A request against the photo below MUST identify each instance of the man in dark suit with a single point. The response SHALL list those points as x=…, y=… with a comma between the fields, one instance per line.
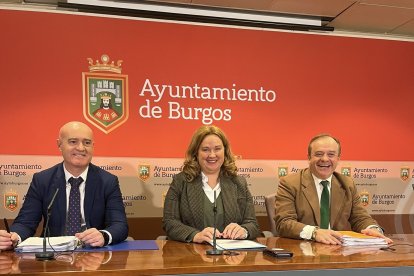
x=299, y=199
x=101, y=218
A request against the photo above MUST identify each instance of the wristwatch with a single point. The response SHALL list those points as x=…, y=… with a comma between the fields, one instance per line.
x=106, y=237
x=379, y=229
x=314, y=233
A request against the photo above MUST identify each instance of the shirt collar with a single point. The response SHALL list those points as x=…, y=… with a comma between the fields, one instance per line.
x=318, y=180
x=69, y=175
x=206, y=187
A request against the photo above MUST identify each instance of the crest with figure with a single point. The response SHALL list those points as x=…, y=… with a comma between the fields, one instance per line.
x=404, y=174
x=282, y=171
x=364, y=197
x=346, y=171
x=11, y=200
x=105, y=94
x=144, y=172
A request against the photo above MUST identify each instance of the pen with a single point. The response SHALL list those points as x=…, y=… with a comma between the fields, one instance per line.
x=83, y=225
x=6, y=224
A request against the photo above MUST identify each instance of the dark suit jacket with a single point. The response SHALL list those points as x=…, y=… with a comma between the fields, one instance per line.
x=183, y=207
x=297, y=205
x=103, y=206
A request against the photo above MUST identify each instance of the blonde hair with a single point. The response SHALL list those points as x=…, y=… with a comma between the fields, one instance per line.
x=191, y=167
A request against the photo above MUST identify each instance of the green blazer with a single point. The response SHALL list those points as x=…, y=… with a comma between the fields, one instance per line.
x=183, y=207
x=297, y=205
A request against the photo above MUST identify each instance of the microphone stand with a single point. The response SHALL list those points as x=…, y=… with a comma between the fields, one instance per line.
x=214, y=251
x=44, y=256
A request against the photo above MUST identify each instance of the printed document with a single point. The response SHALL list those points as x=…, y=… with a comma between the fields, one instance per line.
x=351, y=238
x=35, y=244
x=226, y=244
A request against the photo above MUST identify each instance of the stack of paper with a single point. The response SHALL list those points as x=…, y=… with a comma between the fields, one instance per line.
x=35, y=244
x=226, y=244
x=351, y=238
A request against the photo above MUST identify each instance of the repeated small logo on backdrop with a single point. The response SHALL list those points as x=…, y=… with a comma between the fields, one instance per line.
x=282, y=171
x=364, y=196
x=405, y=173
x=144, y=172
x=346, y=171
x=11, y=200
x=105, y=94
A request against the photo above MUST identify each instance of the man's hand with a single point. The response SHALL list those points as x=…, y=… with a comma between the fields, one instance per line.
x=375, y=233
x=8, y=240
x=327, y=236
x=206, y=235
x=90, y=261
x=9, y=263
x=91, y=237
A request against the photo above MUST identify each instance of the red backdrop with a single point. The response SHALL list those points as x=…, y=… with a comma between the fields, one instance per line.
x=358, y=89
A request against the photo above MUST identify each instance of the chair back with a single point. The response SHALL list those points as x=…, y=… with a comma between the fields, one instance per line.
x=270, y=201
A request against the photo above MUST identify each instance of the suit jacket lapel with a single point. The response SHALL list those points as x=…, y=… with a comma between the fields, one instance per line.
x=196, y=201
x=228, y=194
x=337, y=196
x=310, y=193
x=59, y=181
x=92, y=180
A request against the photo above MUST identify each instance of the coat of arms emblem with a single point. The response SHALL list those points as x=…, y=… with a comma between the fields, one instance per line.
x=346, y=171
x=282, y=171
x=105, y=94
x=404, y=174
x=364, y=196
x=144, y=172
x=10, y=201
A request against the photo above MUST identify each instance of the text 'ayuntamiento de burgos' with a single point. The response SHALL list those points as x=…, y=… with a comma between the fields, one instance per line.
x=209, y=114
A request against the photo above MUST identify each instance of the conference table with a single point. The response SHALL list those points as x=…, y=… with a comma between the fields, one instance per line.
x=186, y=258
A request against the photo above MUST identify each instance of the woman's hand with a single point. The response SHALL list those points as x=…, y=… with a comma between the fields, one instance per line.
x=234, y=231
x=206, y=235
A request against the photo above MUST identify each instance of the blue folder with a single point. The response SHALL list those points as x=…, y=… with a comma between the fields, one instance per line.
x=123, y=246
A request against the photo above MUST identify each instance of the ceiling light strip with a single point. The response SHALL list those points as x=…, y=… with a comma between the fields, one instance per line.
x=277, y=18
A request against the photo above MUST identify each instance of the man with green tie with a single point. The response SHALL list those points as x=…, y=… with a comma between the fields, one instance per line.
x=316, y=202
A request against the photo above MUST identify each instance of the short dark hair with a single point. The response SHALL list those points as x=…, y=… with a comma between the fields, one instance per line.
x=322, y=135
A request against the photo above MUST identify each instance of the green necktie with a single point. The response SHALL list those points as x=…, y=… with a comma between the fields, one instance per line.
x=325, y=211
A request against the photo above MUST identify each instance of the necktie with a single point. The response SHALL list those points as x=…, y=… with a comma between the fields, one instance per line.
x=73, y=224
x=325, y=210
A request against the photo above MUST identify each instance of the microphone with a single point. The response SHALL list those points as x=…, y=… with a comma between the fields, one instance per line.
x=214, y=251
x=43, y=256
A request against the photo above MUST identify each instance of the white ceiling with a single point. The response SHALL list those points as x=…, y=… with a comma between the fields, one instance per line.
x=392, y=18
x=379, y=17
